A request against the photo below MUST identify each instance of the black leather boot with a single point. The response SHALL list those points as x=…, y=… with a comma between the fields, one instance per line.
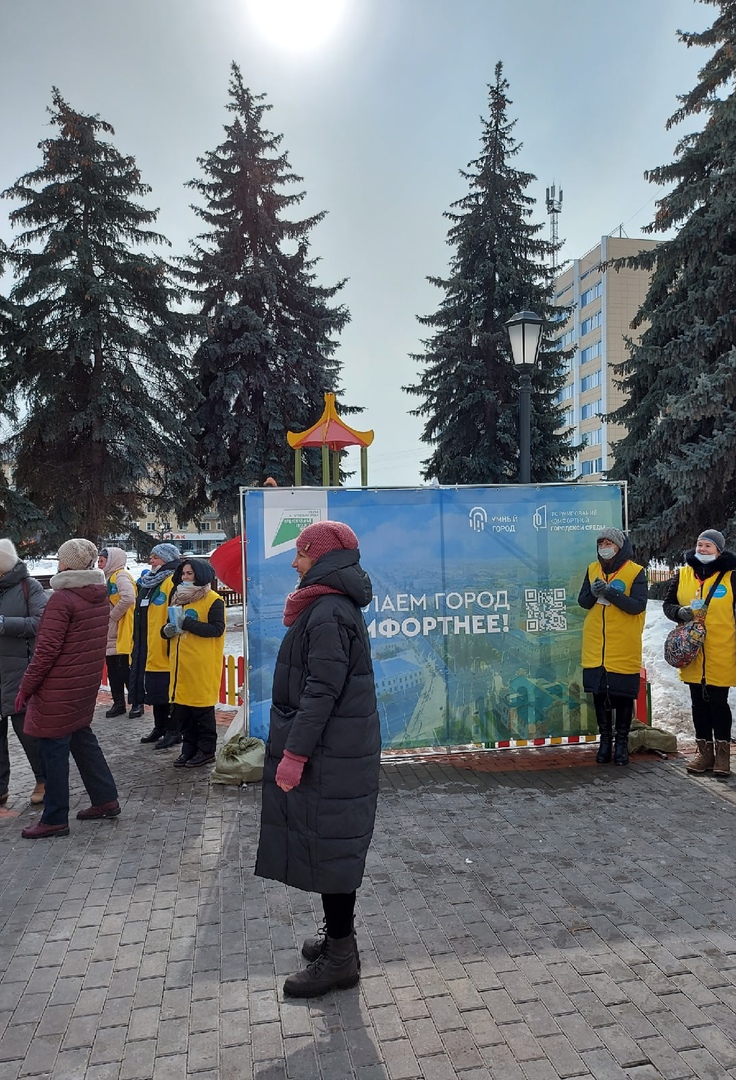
x=167, y=740
x=604, y=748
x=605, y=730
x=621, y=750
x=623, y=726
x=153, y=736
x=336, y=968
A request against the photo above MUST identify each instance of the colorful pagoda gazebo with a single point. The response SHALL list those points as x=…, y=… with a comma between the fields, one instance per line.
x=333, y=435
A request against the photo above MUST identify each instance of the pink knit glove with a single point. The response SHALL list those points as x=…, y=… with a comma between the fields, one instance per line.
x=289, y=772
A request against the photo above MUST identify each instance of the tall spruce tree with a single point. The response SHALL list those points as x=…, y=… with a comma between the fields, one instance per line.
x=266, y=355
x=679, y=453
x=500, y=265
x=89, y=349
x=19, y=519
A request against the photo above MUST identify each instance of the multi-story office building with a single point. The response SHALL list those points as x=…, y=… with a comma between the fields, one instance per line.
x=196, y=538
x=604, y=305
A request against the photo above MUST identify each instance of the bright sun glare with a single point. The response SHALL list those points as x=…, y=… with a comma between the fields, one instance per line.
x=297, y=25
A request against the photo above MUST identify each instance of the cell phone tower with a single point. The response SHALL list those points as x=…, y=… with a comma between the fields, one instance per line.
x=554, y=209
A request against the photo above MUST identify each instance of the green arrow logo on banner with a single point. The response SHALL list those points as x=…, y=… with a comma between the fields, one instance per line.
x=290, y=527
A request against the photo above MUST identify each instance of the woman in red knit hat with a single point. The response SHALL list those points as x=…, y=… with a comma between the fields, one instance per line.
x=320, y=780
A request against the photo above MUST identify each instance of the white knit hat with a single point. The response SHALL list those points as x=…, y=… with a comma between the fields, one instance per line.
x=8, y=556
x=78, y=554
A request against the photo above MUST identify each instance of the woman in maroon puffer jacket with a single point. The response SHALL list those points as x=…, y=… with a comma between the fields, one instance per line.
x=59, y=690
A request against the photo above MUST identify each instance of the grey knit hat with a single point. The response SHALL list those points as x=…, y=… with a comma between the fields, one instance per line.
x=78, y=554
x=167, y=552
x=715, y=537
x=8, y=556
x=615, y=535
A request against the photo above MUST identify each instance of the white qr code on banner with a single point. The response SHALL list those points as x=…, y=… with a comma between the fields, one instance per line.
x=545, y=609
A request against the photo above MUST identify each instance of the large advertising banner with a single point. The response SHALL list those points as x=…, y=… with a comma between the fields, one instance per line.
x=474, y=623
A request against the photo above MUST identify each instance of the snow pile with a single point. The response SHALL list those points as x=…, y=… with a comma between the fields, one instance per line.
x=670, y=696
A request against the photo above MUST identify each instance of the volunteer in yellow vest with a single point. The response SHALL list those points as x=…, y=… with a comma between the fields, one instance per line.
x=614, y=593
x=149, y=665
x=196, y=634
x=121, y=594
x=713, y=671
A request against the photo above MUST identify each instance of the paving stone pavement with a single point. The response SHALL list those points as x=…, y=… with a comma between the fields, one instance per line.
x=531, y=918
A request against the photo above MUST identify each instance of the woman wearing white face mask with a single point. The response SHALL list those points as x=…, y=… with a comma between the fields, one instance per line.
x=708, y=566
x=196, y=633
x=614, y=593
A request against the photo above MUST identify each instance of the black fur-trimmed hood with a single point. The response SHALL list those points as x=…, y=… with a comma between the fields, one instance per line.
x=725, y=561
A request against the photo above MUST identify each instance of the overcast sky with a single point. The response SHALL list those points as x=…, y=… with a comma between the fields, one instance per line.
x=377, y=117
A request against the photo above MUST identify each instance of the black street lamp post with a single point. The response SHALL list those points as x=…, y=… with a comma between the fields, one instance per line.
x=525, y=332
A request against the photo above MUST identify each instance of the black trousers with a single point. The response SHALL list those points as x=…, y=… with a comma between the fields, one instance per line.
x=197, y=726
x=118, y=670
x=163, y=720
x=30, y=747
x=93, y=768
x=711, y=712
x=605, y=707
x=339, y=909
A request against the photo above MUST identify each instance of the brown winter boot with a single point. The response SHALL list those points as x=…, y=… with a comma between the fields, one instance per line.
x=703, y=760
x=336, y=968
x=722, y=763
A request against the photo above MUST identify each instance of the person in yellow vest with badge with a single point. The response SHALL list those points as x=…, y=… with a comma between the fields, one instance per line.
x=706, y=581
x=614, y=593
x=196, y=633
x=121, y=594
x=149, y=664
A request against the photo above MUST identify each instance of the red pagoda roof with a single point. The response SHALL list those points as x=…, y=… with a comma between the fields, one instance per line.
x=329, y=431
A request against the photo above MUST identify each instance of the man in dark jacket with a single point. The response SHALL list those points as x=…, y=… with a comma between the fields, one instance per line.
x=22, y=601
x=320, y=780
x=59, y=690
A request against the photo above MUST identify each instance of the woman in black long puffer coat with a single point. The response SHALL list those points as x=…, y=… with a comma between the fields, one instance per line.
x=320, y=781
x=22, y=600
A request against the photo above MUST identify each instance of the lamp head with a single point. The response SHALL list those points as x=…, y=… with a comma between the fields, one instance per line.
x=525, y=334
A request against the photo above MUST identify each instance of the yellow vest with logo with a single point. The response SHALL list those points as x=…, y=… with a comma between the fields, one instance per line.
x=157, y=647
x=717, y=658
x=611, y=638
x=196, y=662
x=124, y=640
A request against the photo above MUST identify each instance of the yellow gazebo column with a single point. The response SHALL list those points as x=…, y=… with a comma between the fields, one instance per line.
x=332, y=435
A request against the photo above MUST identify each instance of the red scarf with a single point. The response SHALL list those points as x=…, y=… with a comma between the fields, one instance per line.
x=300, y=599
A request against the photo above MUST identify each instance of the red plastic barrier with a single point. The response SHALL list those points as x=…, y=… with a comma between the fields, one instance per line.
x=223, y=698
x=642, y=707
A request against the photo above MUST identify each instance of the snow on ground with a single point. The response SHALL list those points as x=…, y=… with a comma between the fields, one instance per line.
x=234, y=631
x=670, y=696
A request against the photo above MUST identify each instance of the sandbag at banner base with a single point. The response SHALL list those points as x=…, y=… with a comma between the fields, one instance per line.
x=643, y=737
x=239, y=761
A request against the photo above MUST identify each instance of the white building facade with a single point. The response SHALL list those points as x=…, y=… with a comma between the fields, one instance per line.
x=604, y=303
